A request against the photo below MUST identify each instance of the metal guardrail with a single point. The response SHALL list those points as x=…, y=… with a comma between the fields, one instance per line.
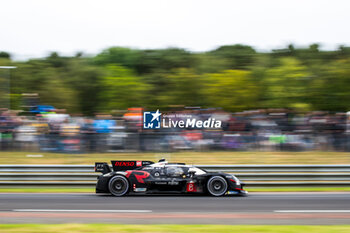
x=252, y=175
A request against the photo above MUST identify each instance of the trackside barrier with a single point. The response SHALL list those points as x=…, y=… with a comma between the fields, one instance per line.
x=252, y=175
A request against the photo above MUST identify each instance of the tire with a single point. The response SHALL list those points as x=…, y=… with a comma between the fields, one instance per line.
x=118, y=186
x=217, y=186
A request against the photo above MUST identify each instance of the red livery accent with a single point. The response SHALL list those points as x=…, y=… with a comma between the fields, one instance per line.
x=124, y=164
x=191, y=187
x=128, y=173
x=139, y=163
x=139, y=175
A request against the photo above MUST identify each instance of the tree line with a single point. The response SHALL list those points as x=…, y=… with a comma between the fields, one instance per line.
x=231, y=77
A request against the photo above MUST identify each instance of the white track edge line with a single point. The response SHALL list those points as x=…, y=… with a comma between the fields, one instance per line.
x=92, y=211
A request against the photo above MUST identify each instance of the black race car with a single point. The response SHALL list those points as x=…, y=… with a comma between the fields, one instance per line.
x=163, y=177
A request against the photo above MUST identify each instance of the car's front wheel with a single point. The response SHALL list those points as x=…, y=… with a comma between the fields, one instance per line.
x=118, y=185
x=217, y=186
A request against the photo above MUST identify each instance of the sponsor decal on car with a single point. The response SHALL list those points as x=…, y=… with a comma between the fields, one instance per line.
x=126, y=164
x=160, y=182
x=173, y=182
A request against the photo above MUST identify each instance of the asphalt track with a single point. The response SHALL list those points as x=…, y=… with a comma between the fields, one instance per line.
x=256, y=208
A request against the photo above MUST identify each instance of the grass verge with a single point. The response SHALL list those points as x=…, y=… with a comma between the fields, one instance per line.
x=92, y=228
x=189, y=157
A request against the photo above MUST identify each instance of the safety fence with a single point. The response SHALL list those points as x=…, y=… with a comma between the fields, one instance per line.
x=252, y=175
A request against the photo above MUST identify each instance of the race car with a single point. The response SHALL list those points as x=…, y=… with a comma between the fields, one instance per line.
x=130, y=177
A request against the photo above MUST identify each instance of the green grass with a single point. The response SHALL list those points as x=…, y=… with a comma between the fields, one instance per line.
x=94, y=228
x=92, y=189
x=189, y=157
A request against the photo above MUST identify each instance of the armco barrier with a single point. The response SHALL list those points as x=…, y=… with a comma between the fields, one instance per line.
x=252, y=175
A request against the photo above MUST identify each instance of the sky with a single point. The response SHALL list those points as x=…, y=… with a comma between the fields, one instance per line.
x=34, y=28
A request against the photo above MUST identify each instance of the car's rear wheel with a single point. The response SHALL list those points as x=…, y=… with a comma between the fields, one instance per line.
x=217, y=186
x=118, y=186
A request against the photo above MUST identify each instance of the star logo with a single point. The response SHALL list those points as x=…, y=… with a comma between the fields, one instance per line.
x=156, y=115
x=151, y=120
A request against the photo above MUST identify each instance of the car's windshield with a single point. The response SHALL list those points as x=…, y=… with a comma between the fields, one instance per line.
x=197, y=171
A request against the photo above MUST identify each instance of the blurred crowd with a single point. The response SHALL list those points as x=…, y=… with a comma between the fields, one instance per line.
x=267, y=129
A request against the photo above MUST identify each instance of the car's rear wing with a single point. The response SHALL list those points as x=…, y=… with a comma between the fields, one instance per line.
x=120, y=165
x=102, y=167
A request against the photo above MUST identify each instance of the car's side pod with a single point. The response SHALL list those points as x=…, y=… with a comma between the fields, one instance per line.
x=102, y=167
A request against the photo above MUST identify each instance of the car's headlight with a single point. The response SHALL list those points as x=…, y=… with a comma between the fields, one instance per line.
x=234, y=179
